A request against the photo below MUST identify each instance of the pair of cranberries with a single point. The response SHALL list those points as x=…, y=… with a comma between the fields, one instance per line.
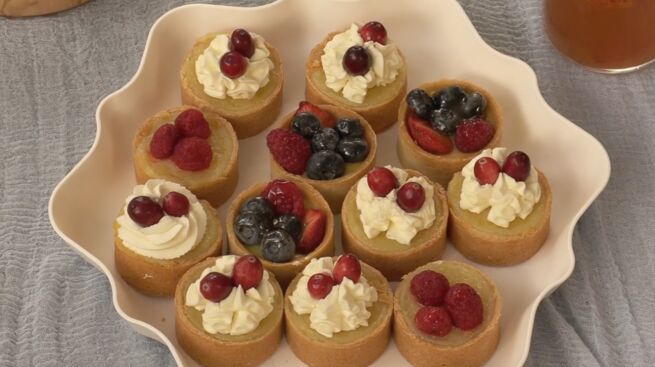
x=347, y=266
x=234, y=63
x=516, y=165
x=247, y=273
x=410, y=196
x=145, y=211
x=356, y=60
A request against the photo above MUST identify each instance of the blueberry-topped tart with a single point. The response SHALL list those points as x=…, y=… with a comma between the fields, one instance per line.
x=237, y=75
x=361, y=69
x=328, y=147
x=284, y=223
x=442, y=125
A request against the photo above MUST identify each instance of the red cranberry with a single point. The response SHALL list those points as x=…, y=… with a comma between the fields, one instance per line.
x=347, y=266
x=411, y=197
x=319, y=285
x=381, y=181
x=248, y=272
x=433, y=321
x=233, y=64
x=356, y=60
x=429, y=288
x=486, y=170
x=215, y=287
x=175, y=204
x=464, y=306
x=373, y=31
x=144, y=211
x=241, y=42
x=517, y=165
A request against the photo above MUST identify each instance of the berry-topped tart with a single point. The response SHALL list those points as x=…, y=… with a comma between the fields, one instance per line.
x=395, y=220
x=284, y=223
x=337, y=312
x=499, y=208
x=447, y=314
x=195, y=149
x=236, y=75
x=442, y=125
x=326, y=146
x=161, y=231
x=360, y=69
x=228, y=312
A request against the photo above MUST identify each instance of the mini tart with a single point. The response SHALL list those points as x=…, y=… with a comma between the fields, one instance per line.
x=380, y=107
x=471, y=348
x=486, y=243
x=284, y=272
x=218, y=350
x=440, y=168
x=391, y=258
x=247, y=116
x=334, y=191
x=156, y=277
x=359, y=347
x=215, y=183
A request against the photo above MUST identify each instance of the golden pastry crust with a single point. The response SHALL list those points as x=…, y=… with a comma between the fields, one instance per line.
x=214, y=184
x=441, y=168
x=318, y=351
x=423, y=351
x=519, y=242
x=334, y=191
x=248, y=117
x=158, y=278
x=224, y=350
x=284, y=272
x=427, y=246
x=381, y=115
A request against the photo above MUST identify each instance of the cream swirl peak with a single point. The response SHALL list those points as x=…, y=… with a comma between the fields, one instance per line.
x=218, y=85
x=171, y=237
x=385, y=63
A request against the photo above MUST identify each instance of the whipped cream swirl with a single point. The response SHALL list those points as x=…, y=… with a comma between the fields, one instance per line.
x=343, y=309
x=506, y=198
x=239, y=313
x=382, y=214
x=217, y=85
x=385, y=61
x=173, y=236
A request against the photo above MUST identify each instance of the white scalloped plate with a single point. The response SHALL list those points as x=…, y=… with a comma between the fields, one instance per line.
x=438, y=40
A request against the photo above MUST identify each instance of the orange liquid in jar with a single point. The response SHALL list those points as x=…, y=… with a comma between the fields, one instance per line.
x=603, y=34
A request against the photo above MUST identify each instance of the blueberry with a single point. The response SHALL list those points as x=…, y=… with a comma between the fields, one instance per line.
x=305, y=124
x=449, y=97
x=257, y=205
x=289, y=224
x=278, y=246
x=325, y=139
x=445, y=121
x=474, y=105
x=325, y=165
x=420, y=102
x=250, y=228
x=350, y=127
x=353, y=149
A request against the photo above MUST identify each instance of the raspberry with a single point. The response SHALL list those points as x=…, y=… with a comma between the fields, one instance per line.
x=433, y=321
x=473, y=135
x=285, y=198
x=429, y=288
x=163, y=141
x=289, y=149
x=192, y=123
x=192, y=154
x=464, y=305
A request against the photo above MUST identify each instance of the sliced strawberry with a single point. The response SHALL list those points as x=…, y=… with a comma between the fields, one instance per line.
x=427, y=138
x=326, y=118
x=313, y=232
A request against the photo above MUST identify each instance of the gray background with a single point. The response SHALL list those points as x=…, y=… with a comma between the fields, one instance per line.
x=55, y=309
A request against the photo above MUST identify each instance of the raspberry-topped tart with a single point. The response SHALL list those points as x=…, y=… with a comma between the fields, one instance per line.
x=192, y=148
x=326, y=146
x=228, y=312
x=337, y=312
x=161, y=231
x=442, y=125
x=446, y=313
x=395, y=220
x=284, y=223
x=236, y=75
x=360, y=69
x=499, y=208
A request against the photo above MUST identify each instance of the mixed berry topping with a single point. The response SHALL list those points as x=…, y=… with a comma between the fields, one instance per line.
x=175, y=204
x=516, y=165
x=319, y=285
x=347, y=126
x=314, y=229
x=241, y=42
x=381, y=181
x=473, y=135
x=373, y=31
x=247, y=273
x=347, y=266
x=324, y=117
x=325, y=165
x=285, y=198
x=289, y=149
x=278, y=246
x=426, y=137
x=146, y=211
x=410, y=197
x=289, y=224
x=356, y=61
x=215, y=286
